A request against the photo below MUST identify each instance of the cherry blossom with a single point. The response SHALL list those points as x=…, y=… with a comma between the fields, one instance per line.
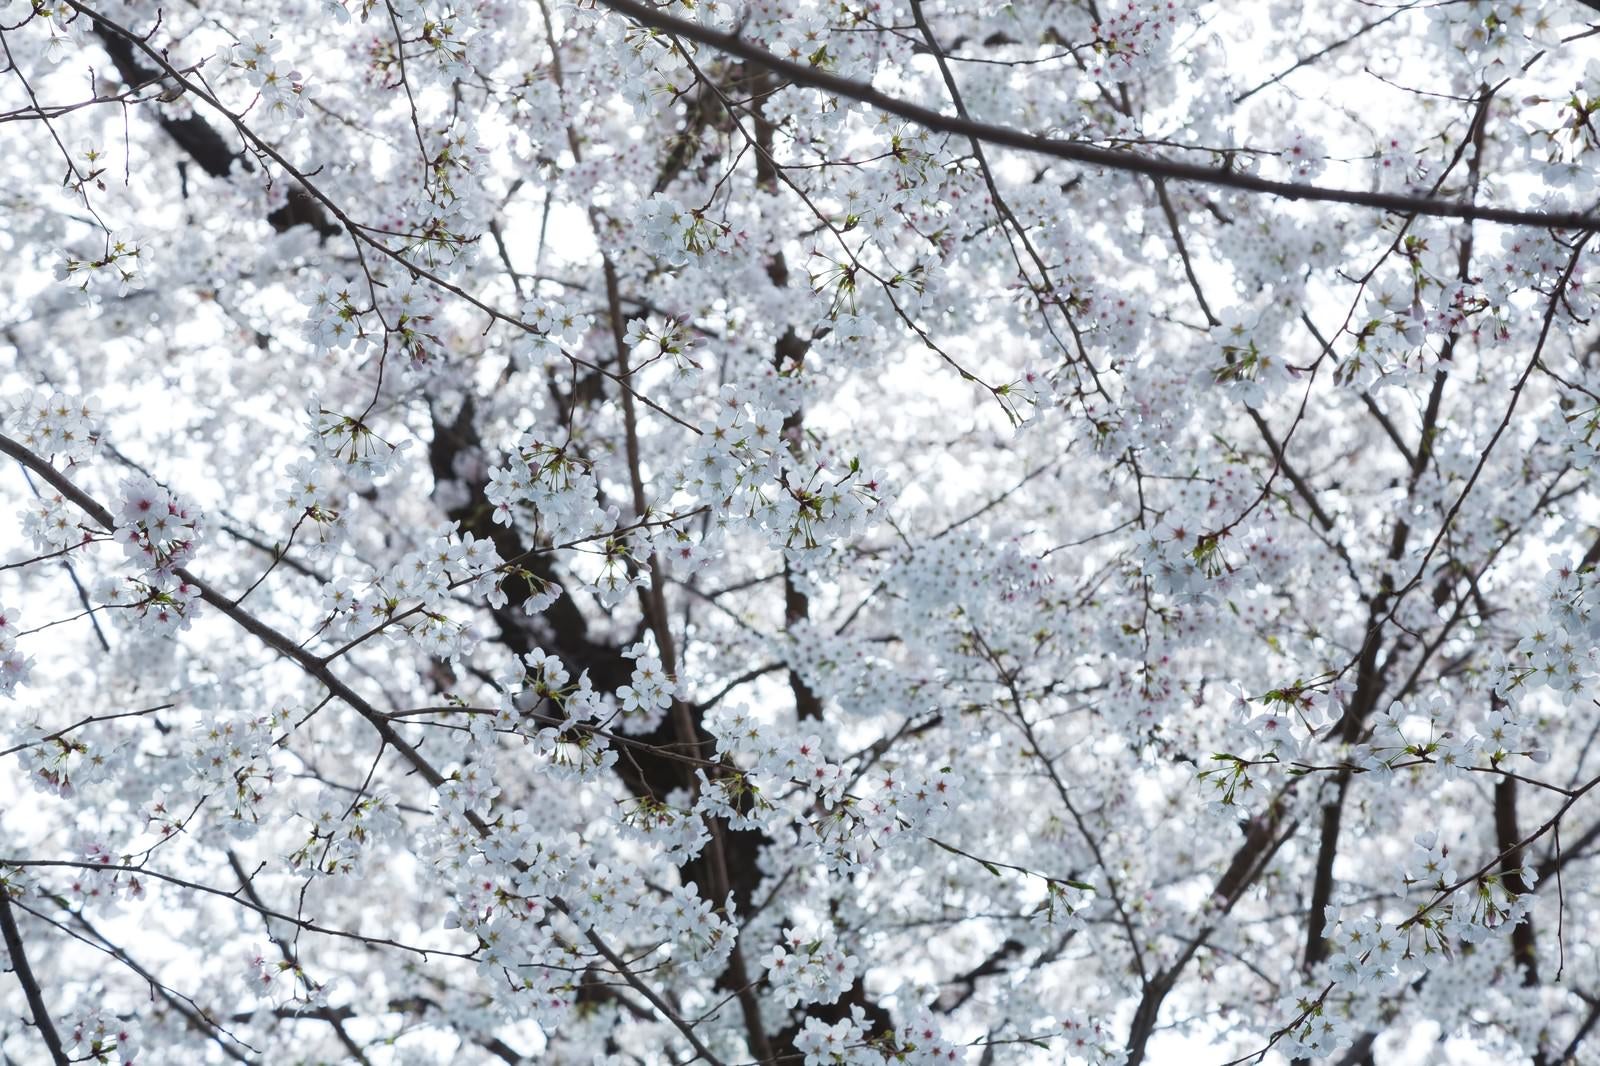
x=756, y=531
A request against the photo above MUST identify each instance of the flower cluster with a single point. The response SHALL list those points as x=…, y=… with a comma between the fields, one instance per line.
x=1397, y=165
x=121, y=264
x=548, y=482
x=677, y=831
x=844, y=827
x=97, y=1035
x=230, y=755
x=677, y=234
x=1366, y=952
x=921, y=1042
x=1248, y=373
x=1316, y=1028
x=312, y=498
x=504, y=889
x=657, y=338
x=414, y=594
x=344, y=833
x=917, y=1041
x=55, y=425
x=1305, y=157
x=1561, y=650
x=51, y=524
x=264, y=969
x=566, y=713
x=1134, y=38
x=892, y=804
x=554, y=325
x=90, y=883
x=282, y=90
x=353, y=445
x=332, y=320
x=1191, y=554
x=742, y=466
x=761, y=756
x=844, y=1043
x=1430, y=865
x=14, y=666
x=156, y=529
x=809, y=969
x=645, y=700
x=58, y=763
x=1579, y=432
x=1491, y=37
x=1531, y=261
x=158, y=532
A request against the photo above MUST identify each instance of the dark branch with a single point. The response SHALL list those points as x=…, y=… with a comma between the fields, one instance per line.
x=203, y=143
x=30, y=986
x=1092, y=155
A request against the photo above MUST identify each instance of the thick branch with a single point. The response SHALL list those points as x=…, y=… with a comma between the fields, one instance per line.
x=30, y=986
x=1507, y=837
x=1088, y=154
